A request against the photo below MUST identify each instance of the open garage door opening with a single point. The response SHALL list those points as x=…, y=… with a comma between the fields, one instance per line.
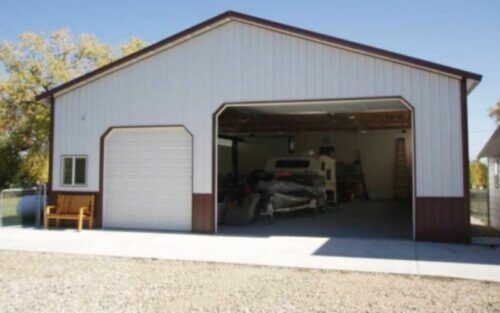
x=316, y=168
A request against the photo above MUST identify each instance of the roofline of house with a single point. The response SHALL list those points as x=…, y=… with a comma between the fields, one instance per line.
x=486, y=150
x=476, y=78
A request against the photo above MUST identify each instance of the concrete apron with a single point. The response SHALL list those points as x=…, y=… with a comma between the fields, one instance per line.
x=350, y=254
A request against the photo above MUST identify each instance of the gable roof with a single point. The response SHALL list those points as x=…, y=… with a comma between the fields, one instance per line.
x=492, y=147
x=472, y=78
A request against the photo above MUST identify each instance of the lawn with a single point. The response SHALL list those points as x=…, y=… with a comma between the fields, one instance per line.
x=41, y=282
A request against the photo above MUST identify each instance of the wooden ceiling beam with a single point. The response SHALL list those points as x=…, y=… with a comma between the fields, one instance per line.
x=235, y=121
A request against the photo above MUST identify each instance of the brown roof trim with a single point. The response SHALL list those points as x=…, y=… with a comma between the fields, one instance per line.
x=268, y=23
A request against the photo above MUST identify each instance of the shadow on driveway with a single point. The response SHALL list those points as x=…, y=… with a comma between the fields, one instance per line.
x=409, y=250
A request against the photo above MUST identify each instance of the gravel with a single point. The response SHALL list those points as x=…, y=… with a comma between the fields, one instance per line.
x=42, y=282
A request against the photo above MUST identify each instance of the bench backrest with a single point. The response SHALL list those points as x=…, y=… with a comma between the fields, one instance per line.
x=71, y=204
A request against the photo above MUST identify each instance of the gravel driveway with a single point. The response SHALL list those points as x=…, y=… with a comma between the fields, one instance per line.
x=40, y=282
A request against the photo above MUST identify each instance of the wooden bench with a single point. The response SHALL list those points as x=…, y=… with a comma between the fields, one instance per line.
x=71, y=207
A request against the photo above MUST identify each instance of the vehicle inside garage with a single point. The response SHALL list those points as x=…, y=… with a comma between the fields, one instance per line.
x=316, y=168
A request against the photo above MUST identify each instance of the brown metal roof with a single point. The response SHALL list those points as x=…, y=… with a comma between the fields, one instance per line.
x=492, y=147
x=267, y=23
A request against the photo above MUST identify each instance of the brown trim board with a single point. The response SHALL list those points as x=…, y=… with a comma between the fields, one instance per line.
x=203, y=217
x=442, y=219
x=465, y=158
x=270, y=24
x=51, y=143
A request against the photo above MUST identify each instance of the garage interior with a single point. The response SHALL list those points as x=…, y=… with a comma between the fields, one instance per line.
x=272, y=179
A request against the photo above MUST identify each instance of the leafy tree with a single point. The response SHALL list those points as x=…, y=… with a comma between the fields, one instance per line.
x=9, y=162
x=133, y=45
x=478, y=174
x=495, y=112
x=35, y=63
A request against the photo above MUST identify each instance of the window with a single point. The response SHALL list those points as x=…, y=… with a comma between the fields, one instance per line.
x=74, y=171
x=496, y=174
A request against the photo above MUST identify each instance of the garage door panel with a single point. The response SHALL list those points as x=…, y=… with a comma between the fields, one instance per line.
x=148, y=150
x=157, y=186
x=144, y=193
x=148, y=179
x=153, y=173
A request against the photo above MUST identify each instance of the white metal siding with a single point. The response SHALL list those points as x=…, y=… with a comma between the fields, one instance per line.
x=147, y=179
x=494, y=195
x=239, y=62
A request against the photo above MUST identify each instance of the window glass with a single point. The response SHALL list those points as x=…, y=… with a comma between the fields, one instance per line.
x=67, y=171
x=74, y=170
x=80, y=169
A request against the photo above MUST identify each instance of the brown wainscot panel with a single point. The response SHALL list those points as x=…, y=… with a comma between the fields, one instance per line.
x=52, y=198
x=203, y=218
x=442, y=219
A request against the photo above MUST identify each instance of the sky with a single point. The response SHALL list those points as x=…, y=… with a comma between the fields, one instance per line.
x=462, y=34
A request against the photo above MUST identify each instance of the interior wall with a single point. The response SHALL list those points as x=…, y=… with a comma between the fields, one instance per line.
x=224, y=160
x=377, y=149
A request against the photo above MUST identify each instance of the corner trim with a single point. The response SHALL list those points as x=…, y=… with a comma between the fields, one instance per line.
x=465, y=154
x=51, y=143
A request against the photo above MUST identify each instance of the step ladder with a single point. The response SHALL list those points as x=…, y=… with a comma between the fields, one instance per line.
x=401, y=172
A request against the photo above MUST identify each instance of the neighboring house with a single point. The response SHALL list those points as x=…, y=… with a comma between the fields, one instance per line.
x=492, y=151
x=144, y=133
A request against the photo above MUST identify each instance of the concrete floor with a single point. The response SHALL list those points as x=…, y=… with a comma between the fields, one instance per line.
x=355, y=237
x=357, y=219
x=350, y=254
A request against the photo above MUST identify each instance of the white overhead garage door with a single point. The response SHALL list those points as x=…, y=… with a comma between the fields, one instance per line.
x=148, y=178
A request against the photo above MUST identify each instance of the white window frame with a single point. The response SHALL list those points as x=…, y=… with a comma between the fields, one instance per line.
x=73, y=170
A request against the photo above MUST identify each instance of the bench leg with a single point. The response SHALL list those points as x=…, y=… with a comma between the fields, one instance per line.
x=91, y=223
x=45, y=221
x=57, y=222
x=80, y=222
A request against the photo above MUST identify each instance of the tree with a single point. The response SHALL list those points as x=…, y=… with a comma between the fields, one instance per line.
x=36, y=63
x=495, y=112
x=478, y=174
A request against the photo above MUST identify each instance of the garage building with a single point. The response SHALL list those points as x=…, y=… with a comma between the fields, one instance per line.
x=152, y=134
